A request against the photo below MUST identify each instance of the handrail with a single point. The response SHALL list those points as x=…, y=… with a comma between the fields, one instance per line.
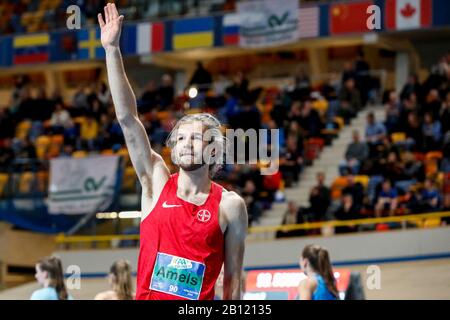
x=62, y=239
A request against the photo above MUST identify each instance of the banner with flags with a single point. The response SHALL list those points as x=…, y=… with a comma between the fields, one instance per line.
x=349, y=17
x=79, y=186
x=150, y=37
x=408, y=14
x=89, y=44
x=230, y=29
x=309, y=22
x=193, y=33
x=31, y=48
x=268, y=23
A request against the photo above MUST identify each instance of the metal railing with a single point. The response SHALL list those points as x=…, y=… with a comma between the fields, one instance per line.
x=420, y=220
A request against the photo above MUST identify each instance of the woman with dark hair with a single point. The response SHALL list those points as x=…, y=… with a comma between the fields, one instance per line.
x=320, y=282
x=49, y=274
x=120, y=282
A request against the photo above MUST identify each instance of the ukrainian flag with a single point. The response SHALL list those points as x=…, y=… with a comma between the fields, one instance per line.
x=89, y=44
x=193, y=33
x=31, y=48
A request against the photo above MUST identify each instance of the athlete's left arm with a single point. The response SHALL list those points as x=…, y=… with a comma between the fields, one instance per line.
x=235, y=212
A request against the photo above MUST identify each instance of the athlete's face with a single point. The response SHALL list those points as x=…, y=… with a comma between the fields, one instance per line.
x=40, y=275
x=190, y=145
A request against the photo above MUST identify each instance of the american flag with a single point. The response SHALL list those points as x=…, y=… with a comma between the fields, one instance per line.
x=309, y=22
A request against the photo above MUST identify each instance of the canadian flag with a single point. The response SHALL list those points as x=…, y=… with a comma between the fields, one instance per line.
x=408, y=14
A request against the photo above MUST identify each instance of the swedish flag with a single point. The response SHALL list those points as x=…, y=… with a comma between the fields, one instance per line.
x=89, y=44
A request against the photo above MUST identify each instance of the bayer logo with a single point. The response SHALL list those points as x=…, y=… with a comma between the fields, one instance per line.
x=203, y=215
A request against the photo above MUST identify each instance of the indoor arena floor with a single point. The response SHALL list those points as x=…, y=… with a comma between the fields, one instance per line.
x=427, y=279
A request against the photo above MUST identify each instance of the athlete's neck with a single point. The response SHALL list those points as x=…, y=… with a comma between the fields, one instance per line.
x=194, y=182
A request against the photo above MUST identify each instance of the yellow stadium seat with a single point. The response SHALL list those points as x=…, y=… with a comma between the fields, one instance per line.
x=57, y=139
x=336, y=188
x=107, y=152
x=26, y=180
x=434, y=155
x=321, y=106
x=398, y=137
x=364, y=180
x=432, y=222
x=42, y=180
x=79, y=154
x=22, y=129
x=3, y=183
x=42, y=145
x=340, y=122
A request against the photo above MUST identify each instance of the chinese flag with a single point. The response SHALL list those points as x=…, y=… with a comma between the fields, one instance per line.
x=349, y=17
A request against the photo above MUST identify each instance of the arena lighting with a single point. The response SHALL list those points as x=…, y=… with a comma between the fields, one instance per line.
x=192, y=92
x=120, y=215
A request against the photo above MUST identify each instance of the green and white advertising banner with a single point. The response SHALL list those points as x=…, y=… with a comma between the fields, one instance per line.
x=266, y=23
x=83, y=185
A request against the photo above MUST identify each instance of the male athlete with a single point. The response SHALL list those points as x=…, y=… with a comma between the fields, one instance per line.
x=190, y=226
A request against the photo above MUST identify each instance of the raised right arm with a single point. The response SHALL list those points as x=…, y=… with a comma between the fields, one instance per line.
x=150, y=167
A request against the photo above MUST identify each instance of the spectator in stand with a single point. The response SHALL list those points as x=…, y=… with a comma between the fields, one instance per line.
x=393, y=167
x=375, y=132
x=319, y=199
x=239, y=88
x=250, y=195
x=149, y=99
x=28, y=150
x=348, y=72
x=249, y=116
x=429, y=198
x=350, y=100
x=411, y=87
x=60, y=120
x=348, y=210
x=387, y=199
x=6, y=155
x=291, y=161
x=433, y=103
x=445, y=114
x=88, y=133
x=414, y=132
x=409, y=104
x=357, y=152
x=166, y=91
x=291, y=217
x=104, y=95
x=201, y=78
x=309, y=120
x=80, y=102
x=356, y=189
x=362, y=77
x=393, y=111
x=7, y=124
x=431, y=133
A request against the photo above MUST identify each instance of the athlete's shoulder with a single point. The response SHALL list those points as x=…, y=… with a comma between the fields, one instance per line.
x=106, y=295
x=233, y=206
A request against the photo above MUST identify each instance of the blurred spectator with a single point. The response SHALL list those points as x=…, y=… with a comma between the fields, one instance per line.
x=411, y=87
x=6, y=124
x=166, y=91
x=409, y=104
x=433, y=103
x=356, y=153
x=348, y=72
x=429, y=198
x=309, y=120
x=319, y=198
x=414, y=132
x=149, y=99
x=201, y=77
x=350, y=100
x=362, y=77
x=431, y=132
x=445, y=114
x=393, y=110
x=27, y=150
x=291, y=217
x=347, y=211
x=355, y=189
x=291, y=161
x=88, y=133
x=375, y=131
x=80, y=101
x=104, y=95
x=6, y=155
x=250, y=195
x=60, y=119
x=387, y=199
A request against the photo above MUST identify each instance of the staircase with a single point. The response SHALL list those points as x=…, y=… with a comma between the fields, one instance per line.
x=328, y=162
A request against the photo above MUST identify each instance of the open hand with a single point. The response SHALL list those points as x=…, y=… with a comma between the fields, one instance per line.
x=110, y=31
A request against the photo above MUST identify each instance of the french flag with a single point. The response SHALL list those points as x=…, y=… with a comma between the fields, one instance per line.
x=408, y=14
x=230, y=29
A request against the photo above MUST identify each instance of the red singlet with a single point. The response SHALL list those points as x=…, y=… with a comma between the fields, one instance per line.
x=181, y=247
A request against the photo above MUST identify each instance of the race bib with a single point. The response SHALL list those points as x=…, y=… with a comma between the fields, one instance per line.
x=177, y=276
